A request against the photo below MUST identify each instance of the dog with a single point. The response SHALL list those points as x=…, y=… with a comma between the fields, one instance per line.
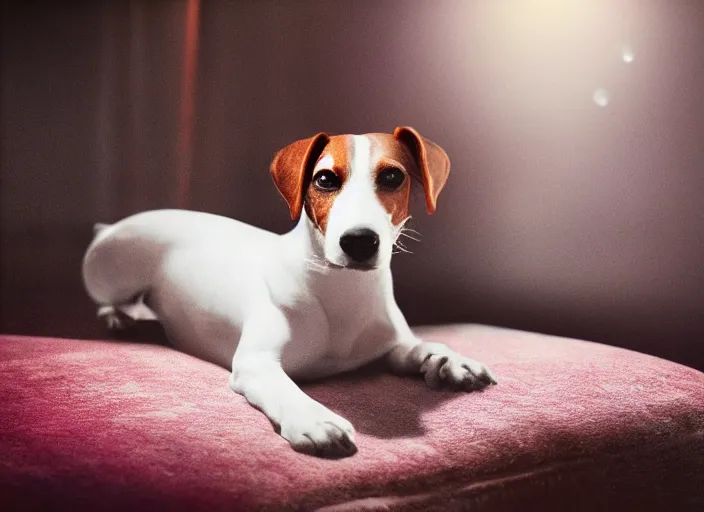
x=307, y=304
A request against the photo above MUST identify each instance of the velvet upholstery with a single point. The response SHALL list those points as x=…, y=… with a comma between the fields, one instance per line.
x=572, y=425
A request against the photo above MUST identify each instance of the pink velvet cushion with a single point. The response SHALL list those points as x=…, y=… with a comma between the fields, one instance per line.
x=90, y=425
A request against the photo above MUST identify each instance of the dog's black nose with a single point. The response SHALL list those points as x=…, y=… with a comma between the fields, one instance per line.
x=360, y=244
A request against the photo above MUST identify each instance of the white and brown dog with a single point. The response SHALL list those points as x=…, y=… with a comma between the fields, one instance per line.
x=310, y=303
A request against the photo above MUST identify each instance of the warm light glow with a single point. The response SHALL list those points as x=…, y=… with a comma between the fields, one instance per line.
x=542, y=18
x=627, y=54
x=601, y=97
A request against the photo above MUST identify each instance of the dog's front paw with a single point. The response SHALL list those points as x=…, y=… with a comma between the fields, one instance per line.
x=456, y=372
x=319, y=431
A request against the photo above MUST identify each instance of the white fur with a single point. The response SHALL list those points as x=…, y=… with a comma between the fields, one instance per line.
x=327, y=162
x=269, y=307
x=357, y=206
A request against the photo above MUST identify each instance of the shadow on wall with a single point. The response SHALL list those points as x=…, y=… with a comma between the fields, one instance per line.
x=574, y=206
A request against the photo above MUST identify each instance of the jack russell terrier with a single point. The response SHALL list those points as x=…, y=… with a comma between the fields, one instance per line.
x=313, y=302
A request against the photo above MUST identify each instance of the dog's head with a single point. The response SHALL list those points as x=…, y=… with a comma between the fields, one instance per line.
x=355, y=189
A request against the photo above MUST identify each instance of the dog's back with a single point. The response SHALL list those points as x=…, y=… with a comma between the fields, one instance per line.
x=121, y=262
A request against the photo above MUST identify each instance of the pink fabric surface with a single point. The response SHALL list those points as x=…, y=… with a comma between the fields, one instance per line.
x=95, y=425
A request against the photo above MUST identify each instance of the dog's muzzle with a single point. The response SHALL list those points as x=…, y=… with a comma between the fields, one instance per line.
x=361, y=244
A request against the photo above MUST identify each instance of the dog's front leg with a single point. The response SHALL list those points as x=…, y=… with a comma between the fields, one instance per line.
x=307, y=425
x=439, y=365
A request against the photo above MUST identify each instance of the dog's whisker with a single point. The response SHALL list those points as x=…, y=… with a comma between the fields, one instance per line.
x=402, y=230
x=401, y=245
x=398, y=228
x=402, y=248
x=402, y=224
x=402, y=233
x=409, y=230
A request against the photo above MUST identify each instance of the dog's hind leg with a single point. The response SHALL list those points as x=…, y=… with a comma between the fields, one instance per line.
x=124, y=316
x=117, y=273
x=114, y=319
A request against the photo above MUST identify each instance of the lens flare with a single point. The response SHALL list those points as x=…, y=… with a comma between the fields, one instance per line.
x=601, y=97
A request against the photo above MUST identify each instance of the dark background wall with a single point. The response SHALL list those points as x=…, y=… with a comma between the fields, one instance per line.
x=561, y=215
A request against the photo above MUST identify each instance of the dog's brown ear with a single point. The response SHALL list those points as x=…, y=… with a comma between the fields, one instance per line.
x=292, y=166
x=431, y=159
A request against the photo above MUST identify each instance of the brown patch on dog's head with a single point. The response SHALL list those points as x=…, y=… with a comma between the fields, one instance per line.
x=291, y=169
x=296, y=167
x=336, y=158
x=406, y=151
x=389, y=156
x=432, y=163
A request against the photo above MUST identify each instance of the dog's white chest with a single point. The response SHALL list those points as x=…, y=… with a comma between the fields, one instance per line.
x=315, y=352
x=337, y=331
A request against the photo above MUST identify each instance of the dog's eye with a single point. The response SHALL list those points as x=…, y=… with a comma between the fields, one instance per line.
x=327, y=181
x=390, y=178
